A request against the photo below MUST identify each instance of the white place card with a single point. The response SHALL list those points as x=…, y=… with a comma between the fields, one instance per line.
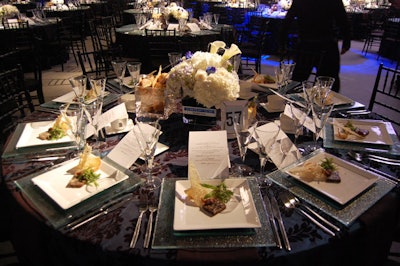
x=193, y=27
x=208, y=150
x=231, y=111
x=106, y=118
x=127, y=151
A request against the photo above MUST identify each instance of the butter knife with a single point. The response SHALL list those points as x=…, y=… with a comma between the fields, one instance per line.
x=277, y=215
x=272, y=221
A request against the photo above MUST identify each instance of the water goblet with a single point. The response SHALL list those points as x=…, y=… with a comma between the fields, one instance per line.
x=287, y=71
x=79, y=87
x=134, y=71
x=147, y=131
x=98, y=84
x=119, y=67
x=265, y=134
x=71, y=113
x=320, y=114
x=174, y=58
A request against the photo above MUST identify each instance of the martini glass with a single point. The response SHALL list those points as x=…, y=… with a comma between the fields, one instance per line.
x=320, y=114
x=147, y=131
x=78, y=85
x=98, y=84
x=119, y=67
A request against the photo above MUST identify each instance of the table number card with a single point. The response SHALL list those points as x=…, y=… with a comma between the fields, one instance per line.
x=230, y=111
x=208, y=150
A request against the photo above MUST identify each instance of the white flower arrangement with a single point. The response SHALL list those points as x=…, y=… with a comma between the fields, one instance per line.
x=285, y=4
x=207, y=77
x=8, y=11
x=175, y=11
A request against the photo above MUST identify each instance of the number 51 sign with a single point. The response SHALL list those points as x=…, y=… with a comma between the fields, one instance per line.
x=233, y=111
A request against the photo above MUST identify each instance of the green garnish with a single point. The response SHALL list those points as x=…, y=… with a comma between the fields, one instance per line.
x=350, y=125
x=88, y=176
x=220, y=192
x=328, y=164
x=56, y=133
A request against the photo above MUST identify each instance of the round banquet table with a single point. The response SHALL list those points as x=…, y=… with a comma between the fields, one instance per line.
x=136, y=45
x=105, y=240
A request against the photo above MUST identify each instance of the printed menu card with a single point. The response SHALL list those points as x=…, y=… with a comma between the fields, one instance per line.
x=208, y=150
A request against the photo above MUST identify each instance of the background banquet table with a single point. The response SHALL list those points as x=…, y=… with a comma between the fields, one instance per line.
x=135, y=44
x=105, y=240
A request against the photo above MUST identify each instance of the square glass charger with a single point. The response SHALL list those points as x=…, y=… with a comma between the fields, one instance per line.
x=166, y=238
x=345, y=214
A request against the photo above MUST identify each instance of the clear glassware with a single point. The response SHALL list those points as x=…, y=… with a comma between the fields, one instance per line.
x=320, y=114
x=134, y=71
x=98, y=84
x=299, y=112
x=244, y=130
x=216, y=18
x=265, y=134
x=174, y=58
x=72, y=114
x=182, y=25
x=119, y=67
x=79, y=87
x=324, y=86
x=147, y=131
x=287, y=68
x=93, y=112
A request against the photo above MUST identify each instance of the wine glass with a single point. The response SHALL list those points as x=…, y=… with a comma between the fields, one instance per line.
x=299, y=112
x=324, y=85
x=265, y=134
x=287, y=71
x=79, y=87
x=320, y=114
x=244, y=129
x=93, y=112
x=216, y=18
x=119, y=67
x=134, y=71
x=147, y=131
x=98, y=84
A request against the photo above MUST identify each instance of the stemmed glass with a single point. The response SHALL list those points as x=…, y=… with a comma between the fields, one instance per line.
x=119, y=67
x=299, y=112
x=287, y=71
x=79, y=87
x=320, y=113
x=324, y=85
x=174, y=58
x=216, y=18
x=147, y=131
x=265, y=134
x=134, y=71
x=98, y=84
x=244, y=129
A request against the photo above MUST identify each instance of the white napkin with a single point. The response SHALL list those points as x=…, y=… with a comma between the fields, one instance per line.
x=205, y=26
x=193, y=27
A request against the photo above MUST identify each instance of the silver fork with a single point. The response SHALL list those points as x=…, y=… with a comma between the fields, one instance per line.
x=142, y=209
x=152, y=209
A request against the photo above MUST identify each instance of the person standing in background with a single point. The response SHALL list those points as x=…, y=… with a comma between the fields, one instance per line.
x=317, y=24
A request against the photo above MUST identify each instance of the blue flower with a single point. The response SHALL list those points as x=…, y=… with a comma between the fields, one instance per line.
x=188, y=55
x=211, y=70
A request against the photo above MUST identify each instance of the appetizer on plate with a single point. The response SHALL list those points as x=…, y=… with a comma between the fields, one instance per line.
x=59, y=129
x=211, y=199
x=85, y=172
x=350, y=129
x=325, y=171
x=263, y=79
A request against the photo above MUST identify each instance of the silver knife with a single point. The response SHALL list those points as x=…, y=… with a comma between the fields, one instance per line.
x=383, y=161
x=277, y=215
x=272, y=221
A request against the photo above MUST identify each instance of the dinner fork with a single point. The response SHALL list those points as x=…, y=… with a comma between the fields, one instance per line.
x=142, y=209
x=152, y=209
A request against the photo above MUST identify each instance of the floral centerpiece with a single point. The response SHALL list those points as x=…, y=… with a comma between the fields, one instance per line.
x=207, y=77
x=175, y=11
x=8, y=11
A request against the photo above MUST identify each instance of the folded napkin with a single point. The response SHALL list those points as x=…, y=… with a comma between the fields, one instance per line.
x=205, y=26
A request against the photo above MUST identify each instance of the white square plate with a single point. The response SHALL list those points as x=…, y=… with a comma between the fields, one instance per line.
x=354, y=179
x=70, y=97
x=240, y=212
x=378, y=133
x=54, y=183
x=30, y=135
